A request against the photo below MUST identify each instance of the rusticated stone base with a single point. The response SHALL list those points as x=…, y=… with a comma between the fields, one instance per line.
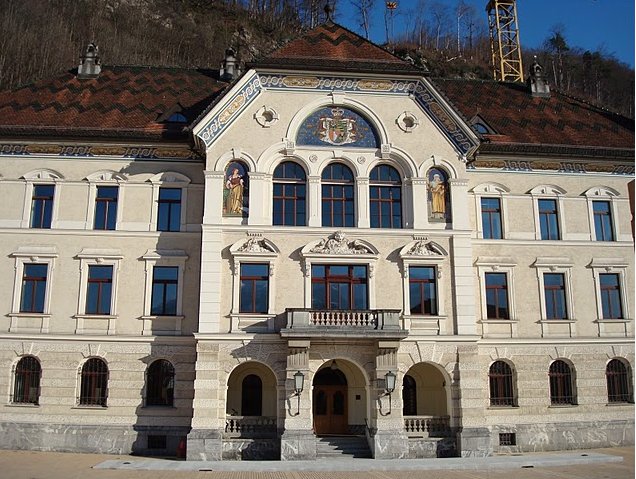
x=204, y=445
x=389, y=445
x=68, y=438
x=251, y=449
x=297, y=446
x=475, y=442
x=565, y=436
x=430, y=448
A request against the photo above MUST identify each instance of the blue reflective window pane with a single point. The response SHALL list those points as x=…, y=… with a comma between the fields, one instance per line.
x=360, y=296
x=42, y=206
x=166, y=273
x=422, y=272
x=318, y=296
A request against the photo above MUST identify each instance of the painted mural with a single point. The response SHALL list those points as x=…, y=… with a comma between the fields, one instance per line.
x=337, y=126
x=438, y=196
x=235, y=188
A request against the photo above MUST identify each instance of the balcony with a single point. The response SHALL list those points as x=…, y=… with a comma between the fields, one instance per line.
x=379, y=323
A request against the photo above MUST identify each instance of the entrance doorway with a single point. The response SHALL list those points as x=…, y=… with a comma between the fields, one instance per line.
x=330, y=402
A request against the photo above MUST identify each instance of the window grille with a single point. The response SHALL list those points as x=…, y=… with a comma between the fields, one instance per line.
x=157, y=442
x=617, y=376
x=561, y=389
x=501, y=384
x=160, y=384
x=507, y=439
x=26, y=388
x=94, y=383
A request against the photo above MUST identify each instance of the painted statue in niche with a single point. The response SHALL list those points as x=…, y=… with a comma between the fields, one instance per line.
x=438, y=195
x=235, y=190
x=337, y=126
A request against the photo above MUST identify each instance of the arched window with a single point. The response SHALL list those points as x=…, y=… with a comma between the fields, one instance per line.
x=252, y=396
x=385, y=193
x=27, y=381
x=617, y=375
x=94, y=383
x=409, y=396
x=160, y=384
x=501, y=384
x=561, y=386
x=337, y=196
x=289, y=195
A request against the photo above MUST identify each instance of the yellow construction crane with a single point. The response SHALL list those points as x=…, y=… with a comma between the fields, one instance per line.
x=504, y=40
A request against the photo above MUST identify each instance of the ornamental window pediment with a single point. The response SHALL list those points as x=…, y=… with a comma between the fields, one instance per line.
x=339, y=245
x=491, y=188
x=547, y=190
x=422, y=249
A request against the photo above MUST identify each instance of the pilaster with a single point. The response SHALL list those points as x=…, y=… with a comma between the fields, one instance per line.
x=362, y=201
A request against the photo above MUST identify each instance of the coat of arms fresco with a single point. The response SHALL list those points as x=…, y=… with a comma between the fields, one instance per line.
x=337, y=126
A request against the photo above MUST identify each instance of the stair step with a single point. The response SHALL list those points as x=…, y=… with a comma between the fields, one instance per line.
x=334, y=447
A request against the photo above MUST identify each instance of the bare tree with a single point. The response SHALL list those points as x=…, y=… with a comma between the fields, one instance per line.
x=364, y=9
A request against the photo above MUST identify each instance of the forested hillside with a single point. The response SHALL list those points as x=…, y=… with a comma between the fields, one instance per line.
x=42, y=38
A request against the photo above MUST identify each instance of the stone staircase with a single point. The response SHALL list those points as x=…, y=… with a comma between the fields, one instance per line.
x=334, y=447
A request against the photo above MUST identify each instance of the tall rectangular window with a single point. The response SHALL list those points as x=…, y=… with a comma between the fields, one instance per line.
x=106, y=207
x=497, y=296
x=603, y=225
x=339, y=287
x=549, y=220
x=491, y=218
x=423, y=290
x=99, y=289
x=254, y=293
x=33, y=288
x=554, y=286
x=611, y=296
x=42, y=206
x=165, y=282
x=169, y=209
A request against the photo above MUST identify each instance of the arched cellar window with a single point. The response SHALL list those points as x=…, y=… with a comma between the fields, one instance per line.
x=160, y=385
x=94, y=383
x=289, y=195
x=252, y=396
x=501, y=384
x=617, y=376
x=385, y=197
x=561, y=388
x=337, y=196
x=26, y=388
x=409, y=396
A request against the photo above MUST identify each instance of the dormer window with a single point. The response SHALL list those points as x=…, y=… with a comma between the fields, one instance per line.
x=481, y=126
x=177, y=118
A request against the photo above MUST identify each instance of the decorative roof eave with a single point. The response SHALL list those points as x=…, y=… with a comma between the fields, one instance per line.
x=567, y=151
x=115, y=134
x=328, y=65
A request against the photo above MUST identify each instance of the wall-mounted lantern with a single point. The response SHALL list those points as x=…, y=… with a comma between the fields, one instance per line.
x=299, y=385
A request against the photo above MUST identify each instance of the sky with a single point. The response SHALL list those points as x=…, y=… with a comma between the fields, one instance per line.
x=604, y=25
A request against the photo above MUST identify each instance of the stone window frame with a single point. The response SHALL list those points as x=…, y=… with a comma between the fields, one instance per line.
x=32, y=255
x=253, y=250
x=169, y=179
x=369, y=260
x=40, y=177
x=491, y=190
x=497, y=264
x=562, y=265
x=436, y=258
x=104, y=178
x=97, y=257
x=548, y=192
x=616, y=266
x=175, y=258
x=610, y=195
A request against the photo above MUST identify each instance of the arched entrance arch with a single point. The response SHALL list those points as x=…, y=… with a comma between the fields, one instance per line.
x=339, y=399
x=251, y=391
x=425, y=392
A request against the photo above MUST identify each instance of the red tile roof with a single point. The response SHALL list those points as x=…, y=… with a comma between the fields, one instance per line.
x=332, y=47
x=129, y=102
x=518, y=118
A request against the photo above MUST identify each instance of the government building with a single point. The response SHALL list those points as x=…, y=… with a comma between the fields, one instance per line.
x=328, y=251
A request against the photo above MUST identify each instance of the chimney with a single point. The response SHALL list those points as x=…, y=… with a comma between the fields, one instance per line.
x=91, y=64
x=230, y=68
x=537, y=82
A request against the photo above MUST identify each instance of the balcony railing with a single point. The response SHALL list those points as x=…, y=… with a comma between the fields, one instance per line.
x=343, y=320
x=250, y=426
x=427, y=426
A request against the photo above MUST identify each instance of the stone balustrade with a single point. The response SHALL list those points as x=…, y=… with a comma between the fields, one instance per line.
x=427, y=426
x=250, y=426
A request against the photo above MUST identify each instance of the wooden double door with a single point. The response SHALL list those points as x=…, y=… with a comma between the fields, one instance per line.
x=330, y=403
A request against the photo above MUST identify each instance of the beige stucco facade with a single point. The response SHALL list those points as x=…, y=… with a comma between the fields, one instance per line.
x=214, y=346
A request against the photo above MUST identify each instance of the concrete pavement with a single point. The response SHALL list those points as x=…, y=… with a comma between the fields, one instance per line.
x=614, y=463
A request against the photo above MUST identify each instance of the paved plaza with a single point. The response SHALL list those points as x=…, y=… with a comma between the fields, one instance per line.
x=615, y=463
